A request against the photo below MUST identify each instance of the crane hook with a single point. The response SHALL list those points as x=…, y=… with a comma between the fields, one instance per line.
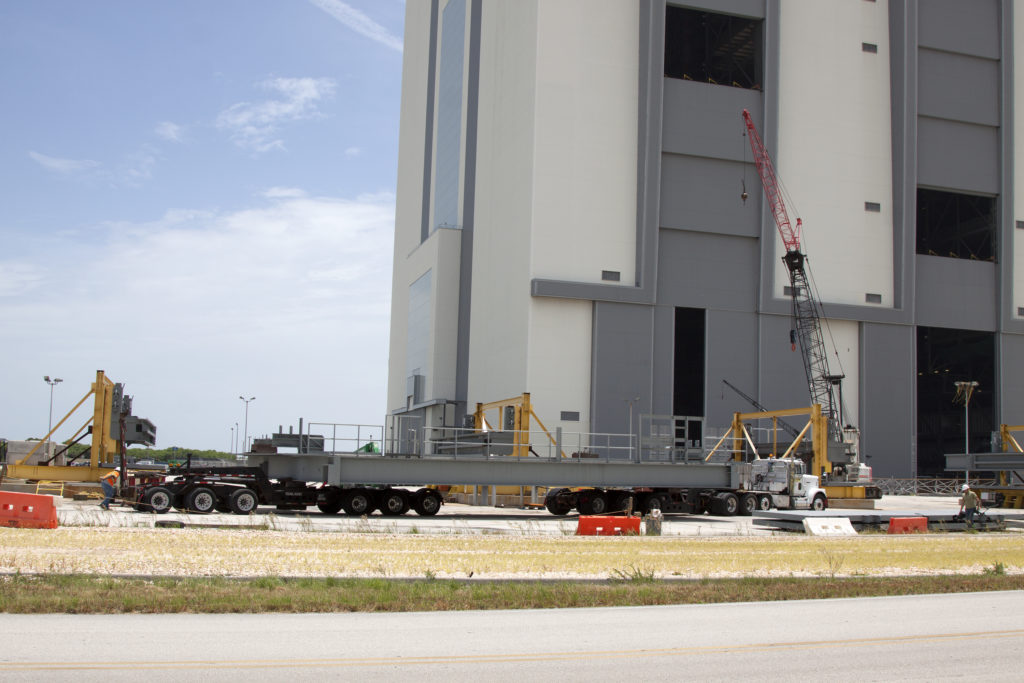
x=744, y=195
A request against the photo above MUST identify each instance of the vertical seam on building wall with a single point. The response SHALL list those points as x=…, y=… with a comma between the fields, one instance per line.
x=649, y=122
x=428, y=136
x=468, y=204
x=1007, y=217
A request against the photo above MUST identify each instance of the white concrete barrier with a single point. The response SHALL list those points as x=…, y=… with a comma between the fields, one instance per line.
x=829, y=526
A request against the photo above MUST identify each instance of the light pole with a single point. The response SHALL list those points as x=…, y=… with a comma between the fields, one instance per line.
x=238, y=432
x=964, y=390
x=52, y=382
x=231, y=444
x=245, y=434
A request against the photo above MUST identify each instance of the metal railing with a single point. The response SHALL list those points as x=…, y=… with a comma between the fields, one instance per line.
x=925, y=486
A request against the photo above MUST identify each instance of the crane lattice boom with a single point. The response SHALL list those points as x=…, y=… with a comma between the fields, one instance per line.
x=805, y=308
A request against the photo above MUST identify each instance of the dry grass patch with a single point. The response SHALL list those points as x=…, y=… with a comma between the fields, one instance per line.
x=248, y=553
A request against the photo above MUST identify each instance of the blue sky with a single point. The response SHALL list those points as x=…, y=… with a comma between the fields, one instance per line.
x=199, y=200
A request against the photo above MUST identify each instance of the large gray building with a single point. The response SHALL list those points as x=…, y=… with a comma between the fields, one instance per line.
x=570, y=220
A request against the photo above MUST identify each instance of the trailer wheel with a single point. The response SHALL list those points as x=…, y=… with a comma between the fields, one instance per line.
x=331, y=503
x=200, y=500
x=157, y=499
x=623, y=501
x=819, y=503
x=748, y=503
x=426, y=502
x=764, y=503
x=243, y=501
x=592, y=503
x=554, y=503
x=395, y=502
x=653, y=502
x=357, y=502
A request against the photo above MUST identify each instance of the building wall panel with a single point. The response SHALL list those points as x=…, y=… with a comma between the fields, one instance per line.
x=944, y=79
x=701, y=270
x=954, y=155
x=703, y=195
x=970, y=28
x=888, y=422
x=956, y=293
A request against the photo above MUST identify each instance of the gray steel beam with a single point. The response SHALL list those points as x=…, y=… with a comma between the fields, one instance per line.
x=984, y=462
x=493, y=471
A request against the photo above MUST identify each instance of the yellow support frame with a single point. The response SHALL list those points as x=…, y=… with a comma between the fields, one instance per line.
x=520, y=422
x=103, y=444
x=816, y=422
x=1010, y=445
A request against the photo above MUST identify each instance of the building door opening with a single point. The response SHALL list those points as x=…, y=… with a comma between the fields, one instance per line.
x=688, y=368
x=945, y=356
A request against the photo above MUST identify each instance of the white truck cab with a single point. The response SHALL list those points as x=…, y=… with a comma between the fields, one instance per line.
x=786, y=480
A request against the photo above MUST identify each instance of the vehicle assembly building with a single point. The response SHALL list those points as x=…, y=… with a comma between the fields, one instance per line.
x=579, y=215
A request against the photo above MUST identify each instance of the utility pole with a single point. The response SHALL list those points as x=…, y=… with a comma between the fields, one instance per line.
x=964, y=391
x=245, y=436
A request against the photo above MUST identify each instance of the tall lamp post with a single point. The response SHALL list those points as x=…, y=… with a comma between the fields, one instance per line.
x=245, y=434
x=231, y=444
x=52, y=382
x=964, y=390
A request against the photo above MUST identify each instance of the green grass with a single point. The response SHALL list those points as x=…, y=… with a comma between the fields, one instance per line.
x=78, y=594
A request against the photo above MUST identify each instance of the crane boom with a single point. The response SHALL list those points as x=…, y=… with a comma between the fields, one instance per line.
x=807, y=334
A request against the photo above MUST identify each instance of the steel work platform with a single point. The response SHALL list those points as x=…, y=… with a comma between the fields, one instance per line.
x=794, y=519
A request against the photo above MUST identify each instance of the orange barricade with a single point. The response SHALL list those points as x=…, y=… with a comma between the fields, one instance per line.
x=595, y=525
x=908, y=525
x=27, y=510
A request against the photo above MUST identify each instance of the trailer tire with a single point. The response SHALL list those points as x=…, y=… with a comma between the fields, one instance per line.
x=748, y=503
x=653, y=502
x=764, y=502
x=554, y=503
x=201, y=500
x=394, y=502
x=623, y=501
x=157, y=499
x=243, y=501
x=358, y=502
x=592, y=502
x=819, y=503
x=331, y=503
x=427, y=503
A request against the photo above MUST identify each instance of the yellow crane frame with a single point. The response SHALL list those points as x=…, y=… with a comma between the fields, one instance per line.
x=1010, y=445
x=103, y=444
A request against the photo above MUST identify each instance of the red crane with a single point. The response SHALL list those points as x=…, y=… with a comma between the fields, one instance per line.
x=806, y=309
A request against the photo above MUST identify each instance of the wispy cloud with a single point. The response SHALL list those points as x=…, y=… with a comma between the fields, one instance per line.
x=254, y=126
x=352, y=152
x=64, y=166
x=294, y=287
x=169, y=131
x=359, y=22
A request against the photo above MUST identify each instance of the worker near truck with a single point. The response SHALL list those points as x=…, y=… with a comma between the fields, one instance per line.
x=968, y=504
x=108, y=482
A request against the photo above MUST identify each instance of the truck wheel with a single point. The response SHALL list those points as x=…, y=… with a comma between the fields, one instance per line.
x=725, y=504
x=395, y=502
x=592, y=503
x=427, y=503
x=157, y=499
x=748, y=503
x=555, y=503
x=243, y=501
x=764, y=502
x=358, y=502
x=819, y=503
x=200, y=500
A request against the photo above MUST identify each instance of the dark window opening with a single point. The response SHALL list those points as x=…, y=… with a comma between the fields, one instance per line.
x=956, y=225
x=713, y=48
x=688, y=364
x=945, y=356
x=869, y=47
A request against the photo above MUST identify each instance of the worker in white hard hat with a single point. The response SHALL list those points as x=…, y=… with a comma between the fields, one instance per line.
x=968, y=504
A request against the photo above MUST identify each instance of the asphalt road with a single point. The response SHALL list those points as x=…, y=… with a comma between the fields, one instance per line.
x=909, y=638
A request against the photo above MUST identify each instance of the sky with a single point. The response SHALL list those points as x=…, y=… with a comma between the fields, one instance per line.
x=198, y=200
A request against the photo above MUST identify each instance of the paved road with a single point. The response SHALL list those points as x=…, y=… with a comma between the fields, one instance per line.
x=906, y=638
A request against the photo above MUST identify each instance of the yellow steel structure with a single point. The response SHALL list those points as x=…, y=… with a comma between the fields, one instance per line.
x=817, y=425
x=522, y=412
x=104, y=447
